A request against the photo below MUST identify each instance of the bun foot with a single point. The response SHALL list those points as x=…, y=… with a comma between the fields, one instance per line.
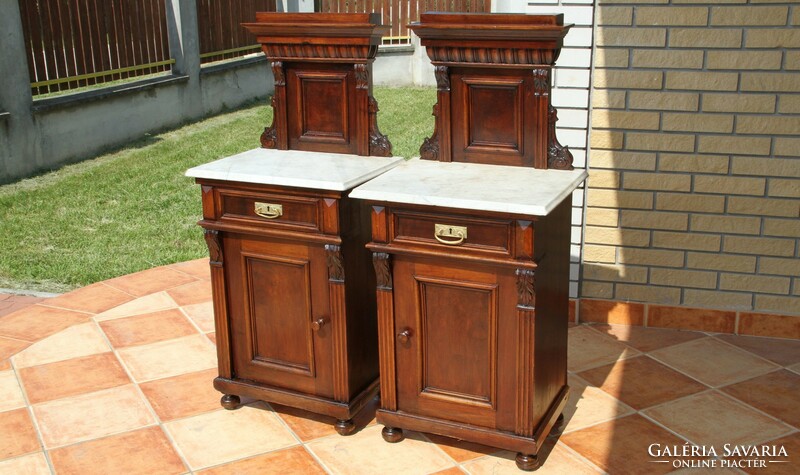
x=345, y=427
x=392, y=434
x=558, y=427
x=230, y=401
x=528, y=463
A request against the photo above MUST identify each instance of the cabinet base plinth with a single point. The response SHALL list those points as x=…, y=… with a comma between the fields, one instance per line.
x=526, y=462
x=392, y=434
x=558, y=427
x=342, y=411
x=230, y=402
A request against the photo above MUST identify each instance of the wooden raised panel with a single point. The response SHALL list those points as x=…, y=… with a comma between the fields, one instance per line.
x=495, y=111
x=329, y=121
x=270, y=282
x=457, y=329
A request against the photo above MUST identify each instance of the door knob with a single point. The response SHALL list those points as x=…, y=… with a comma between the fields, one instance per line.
x=404, y=335
x=317, y=324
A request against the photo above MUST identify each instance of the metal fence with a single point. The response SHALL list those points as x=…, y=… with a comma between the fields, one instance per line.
x=221, y=35
x=399, y=13
x=75, y=43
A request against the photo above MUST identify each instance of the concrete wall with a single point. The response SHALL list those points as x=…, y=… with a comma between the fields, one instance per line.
x=40, y=135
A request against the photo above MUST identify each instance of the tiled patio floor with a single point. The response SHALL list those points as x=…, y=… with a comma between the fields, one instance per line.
x=115, y=378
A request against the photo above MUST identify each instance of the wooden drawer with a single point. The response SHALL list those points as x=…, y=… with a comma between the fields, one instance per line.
x=299, y=213
x=452, y=231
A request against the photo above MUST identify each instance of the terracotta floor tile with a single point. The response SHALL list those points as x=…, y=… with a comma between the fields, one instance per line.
x=588, y=348
x=197, y=268
x=223, y=436
x=559, y=461
x=79, y=340
x=150, y=281
x=183, y=396
x=461, y=450
x=367, y=453
x=10, y=392
x=608, y=311
x=212, y=337
x=36, y=322
x=641, y=382
x=713, y=419
x=147, y=328
x=169, y=358
x=189, y=294
x=93, y=298
x=309, y=426
x=144, y=452
x=450, y=471
x=19, y=436
x=286, y=461
x=147, y=304
x=10, y=303
x=5, y=365
x=777, y=350
x=32, y=464
x=795, y=368
x=713, y=362
x=72, y=377
x=620, y=446
x=588, y=405
x=791, y=444
x=10, y=347
x=93, y=415
x=647, y=339
x=202, y=314
x=776, y=393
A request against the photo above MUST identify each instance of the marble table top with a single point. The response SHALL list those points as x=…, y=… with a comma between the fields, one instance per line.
x=325, y=171
x=471, y=186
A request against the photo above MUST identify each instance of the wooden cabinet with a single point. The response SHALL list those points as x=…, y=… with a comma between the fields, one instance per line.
x=471, y=245
x=293, y=296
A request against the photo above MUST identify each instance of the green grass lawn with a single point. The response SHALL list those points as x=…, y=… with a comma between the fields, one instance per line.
x=133, y=209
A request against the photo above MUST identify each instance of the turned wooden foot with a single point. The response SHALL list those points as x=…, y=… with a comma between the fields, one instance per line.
x=558, y=427
x=230, y=401
x=392, y=434
x=345, y=427
x=528, y=463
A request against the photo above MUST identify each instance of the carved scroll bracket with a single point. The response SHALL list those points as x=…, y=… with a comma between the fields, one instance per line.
x=269, y=138
x=379, y=145
x=383, y=272
x=333, y=256
x=214, y=246
x=442, y=77
x=430, y=146
x=526, y=289
x=541, y=82
x=558, y=156
x=362, y=76
x=278, y=73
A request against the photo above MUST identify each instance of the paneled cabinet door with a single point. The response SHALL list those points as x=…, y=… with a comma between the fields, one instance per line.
x=279, y=313
x=455, y=345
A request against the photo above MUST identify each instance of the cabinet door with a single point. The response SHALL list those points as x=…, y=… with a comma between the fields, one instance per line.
x=277, y=290
x=455, y=343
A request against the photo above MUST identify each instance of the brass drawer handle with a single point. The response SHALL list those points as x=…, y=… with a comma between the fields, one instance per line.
x=450, y=235
x=269, y=210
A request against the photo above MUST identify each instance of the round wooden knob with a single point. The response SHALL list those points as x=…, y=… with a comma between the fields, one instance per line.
x=404, y=335
x=317, y=324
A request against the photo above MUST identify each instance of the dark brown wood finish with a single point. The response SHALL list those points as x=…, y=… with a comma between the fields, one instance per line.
x=473, y=332
x=494, y=75
x=293, y=298
x=322, y=65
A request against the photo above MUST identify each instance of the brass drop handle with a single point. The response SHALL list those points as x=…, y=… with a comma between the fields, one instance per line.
x=268, y=210
x=450, y=235
x=317, y=324
x=404, y=335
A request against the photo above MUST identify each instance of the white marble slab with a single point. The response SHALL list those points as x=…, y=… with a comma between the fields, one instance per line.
x=324, y=171
x=504, y=189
